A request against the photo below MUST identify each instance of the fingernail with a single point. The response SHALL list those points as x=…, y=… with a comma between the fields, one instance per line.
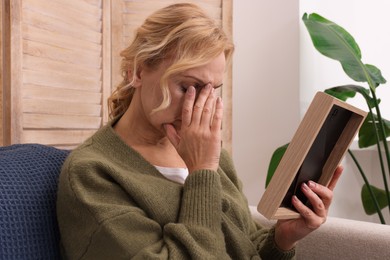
x=304, y=186
x=191, y=89
x=208, y=86
x=312, y=184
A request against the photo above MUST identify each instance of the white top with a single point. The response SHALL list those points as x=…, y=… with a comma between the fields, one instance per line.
x=178, y=175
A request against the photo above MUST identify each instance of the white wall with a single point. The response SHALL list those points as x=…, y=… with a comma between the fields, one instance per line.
x=367, y=21
x=265, y=86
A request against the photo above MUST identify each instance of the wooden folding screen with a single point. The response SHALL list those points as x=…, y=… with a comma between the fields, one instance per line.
x=60, y=60
x=54, y=76
x=1, y=72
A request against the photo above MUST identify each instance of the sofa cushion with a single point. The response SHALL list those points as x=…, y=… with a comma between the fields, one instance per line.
x=28, y=187
x=340, y=238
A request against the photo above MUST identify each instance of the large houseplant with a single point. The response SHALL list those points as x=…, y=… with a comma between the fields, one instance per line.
x=336, y=43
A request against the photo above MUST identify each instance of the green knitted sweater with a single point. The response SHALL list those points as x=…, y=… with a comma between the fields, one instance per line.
x=113, y=204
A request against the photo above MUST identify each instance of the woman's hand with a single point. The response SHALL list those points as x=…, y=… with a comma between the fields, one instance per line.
x=288, y=232
x=199, y=139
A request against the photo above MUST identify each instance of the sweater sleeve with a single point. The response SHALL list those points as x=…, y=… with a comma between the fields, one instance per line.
x=262, y=237
x=127, y=231
x=198, y=228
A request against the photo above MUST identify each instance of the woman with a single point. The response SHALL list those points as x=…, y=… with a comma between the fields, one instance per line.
x=154, y=183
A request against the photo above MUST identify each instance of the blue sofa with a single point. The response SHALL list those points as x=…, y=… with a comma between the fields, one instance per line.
x=28, y=187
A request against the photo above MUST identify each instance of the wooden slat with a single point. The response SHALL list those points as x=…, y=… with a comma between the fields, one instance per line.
x=2, y=24
x=58, y=54
x=59, y=40
x=227, y=90
x=152, y=5
x=56, y=137
x=199, y=2
x=145, y=7
x=127, y=40
x=97, y=3
x=213, y=8
x=63, y=12
x=134, y=20
x=61, y=122
x=6, y=73
x=116, y=41
x=81, y=6
x=205, y=3
x=58, y=94
x=68, y=27
x=129, y=30
x=106, y=58
x=16, y=56
x=43, y=64
x=61, y=80
x=60, y=108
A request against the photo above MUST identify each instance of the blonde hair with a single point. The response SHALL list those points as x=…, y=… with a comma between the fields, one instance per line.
x=181, y=32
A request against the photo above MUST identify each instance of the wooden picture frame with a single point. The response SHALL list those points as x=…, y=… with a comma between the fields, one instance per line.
x=316, y=149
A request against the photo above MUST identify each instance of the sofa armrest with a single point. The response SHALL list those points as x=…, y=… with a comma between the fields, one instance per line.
x=28, y=194
x=341, y=239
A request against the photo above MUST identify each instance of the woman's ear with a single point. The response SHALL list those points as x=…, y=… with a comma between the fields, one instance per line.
x=135, y=78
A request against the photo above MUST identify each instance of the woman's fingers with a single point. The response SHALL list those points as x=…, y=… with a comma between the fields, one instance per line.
x=200, y=104
x=336, y=177
x=199, y=144
x=309, y=217
x=200, y=110
x=188, y=105
x=318, y=196
x=208, y=109
x=325, y=194
x=218, y=115
x=172, y=134
x=313, y=216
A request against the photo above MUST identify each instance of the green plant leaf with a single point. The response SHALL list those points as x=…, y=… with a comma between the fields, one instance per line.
x=336, y=43
x=275, y=160
x=341, y=93
x=348, y=91
x=367, y=135
x=367, y=200
x=376, y=74
x=326, y=34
